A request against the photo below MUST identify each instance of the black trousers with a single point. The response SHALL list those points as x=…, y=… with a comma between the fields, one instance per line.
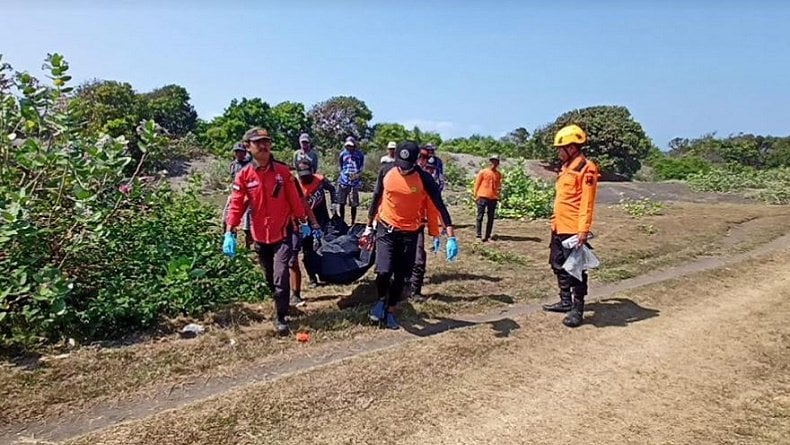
x=395, y=252
x=420, y=261
x=311, y=260
x=568, y=284
x=274, y=259
x=485, y=205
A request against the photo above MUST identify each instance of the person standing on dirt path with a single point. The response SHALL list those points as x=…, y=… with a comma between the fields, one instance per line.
x=488, y=186
x=417, y=278
x=390, y=156
x=574, y=202
x=306, y=153
x=240, y=160
x=403, y=192
x=314, y=186
x=351, y=163
x=269, y=188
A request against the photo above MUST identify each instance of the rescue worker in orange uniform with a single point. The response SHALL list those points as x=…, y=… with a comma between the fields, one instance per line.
x=488, y=186
x=574, y=202
x=270, y=190
x=403, y=192
x=314, y=186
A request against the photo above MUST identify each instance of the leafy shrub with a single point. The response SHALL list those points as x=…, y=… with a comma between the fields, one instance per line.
x=667, y=168
x=772, y=186
x=81, y=256
x=524, y=197
x=454, y=174
x=638, y=208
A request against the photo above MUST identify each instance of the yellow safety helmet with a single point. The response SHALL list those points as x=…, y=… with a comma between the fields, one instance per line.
x=570, y=134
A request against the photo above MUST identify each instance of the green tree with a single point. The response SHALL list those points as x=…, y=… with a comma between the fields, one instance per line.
x=110, y=107
x=223, y=131
x=169, y=106
x=385, y=132
x=337, y=118
x=615, y=140
x=290, y=120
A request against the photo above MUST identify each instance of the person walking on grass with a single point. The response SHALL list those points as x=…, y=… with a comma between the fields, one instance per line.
x=402, y=194
x=488, y=186
x=240, y=160
x=417, y=278
x=267, y=185
x=351, y=162
x=574, y=202
x=314, y=187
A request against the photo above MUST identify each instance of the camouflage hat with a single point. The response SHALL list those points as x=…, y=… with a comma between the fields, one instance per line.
x=256, y=134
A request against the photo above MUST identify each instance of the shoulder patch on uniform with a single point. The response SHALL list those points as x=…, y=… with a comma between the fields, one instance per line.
x=589, y=179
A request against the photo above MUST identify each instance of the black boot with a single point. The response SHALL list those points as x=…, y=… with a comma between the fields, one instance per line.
x=576, y=314
x=564, y=305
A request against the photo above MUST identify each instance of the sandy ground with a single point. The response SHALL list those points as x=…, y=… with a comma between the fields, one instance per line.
x=701, y=359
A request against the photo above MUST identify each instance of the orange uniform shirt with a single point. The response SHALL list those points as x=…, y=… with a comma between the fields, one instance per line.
x=272, y=196
x=574, y=199
x=408, y=202
x=488, y=184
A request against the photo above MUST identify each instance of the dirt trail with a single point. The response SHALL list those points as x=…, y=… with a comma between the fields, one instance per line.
x=703, y=360
x=502, y=322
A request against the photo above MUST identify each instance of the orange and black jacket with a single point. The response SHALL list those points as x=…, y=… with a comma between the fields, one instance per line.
x=574, y=200
x=272, y=196
x=488, y=184
x=316, y=200
x=405, y=202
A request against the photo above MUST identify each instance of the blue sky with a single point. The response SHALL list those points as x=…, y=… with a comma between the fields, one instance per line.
x=682, y=68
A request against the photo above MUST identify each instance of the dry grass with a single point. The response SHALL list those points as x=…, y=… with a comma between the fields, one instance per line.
x=509, y=270
x=704, y=361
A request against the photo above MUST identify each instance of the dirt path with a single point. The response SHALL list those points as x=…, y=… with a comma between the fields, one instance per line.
x=703, y=360
x=502, y=322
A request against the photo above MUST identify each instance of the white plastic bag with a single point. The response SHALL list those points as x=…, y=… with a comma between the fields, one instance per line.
x=580, y=258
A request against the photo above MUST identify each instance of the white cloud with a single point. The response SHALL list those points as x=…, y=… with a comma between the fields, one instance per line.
x=447, y=129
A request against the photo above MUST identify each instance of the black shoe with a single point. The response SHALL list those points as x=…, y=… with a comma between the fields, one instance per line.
x=281, y=327
x=560, y=306
x=576, y=315
x=296, y=301
x=485, y=240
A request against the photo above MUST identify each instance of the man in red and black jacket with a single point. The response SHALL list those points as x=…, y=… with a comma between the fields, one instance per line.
x=274, y=202
x=403, y=195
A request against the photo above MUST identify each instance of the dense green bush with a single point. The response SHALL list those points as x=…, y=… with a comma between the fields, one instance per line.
x=524, y=197
x=84, y=250
x=772, y=186
x=666, y=168
x=743, y=149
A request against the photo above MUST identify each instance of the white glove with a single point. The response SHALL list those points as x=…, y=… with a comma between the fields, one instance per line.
x=368, y=231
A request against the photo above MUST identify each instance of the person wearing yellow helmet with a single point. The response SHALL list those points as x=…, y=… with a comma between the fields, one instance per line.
x=574, y=202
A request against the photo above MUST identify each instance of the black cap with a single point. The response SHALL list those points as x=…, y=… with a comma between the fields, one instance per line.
x=406, y=155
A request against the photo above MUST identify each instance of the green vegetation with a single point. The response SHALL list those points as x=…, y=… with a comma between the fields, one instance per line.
x=772, y=186
x=524, y=197
x=637, y=208
x=615, y=141
x=86, y=251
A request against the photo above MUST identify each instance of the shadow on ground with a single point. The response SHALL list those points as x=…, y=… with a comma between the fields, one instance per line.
x=618, y=312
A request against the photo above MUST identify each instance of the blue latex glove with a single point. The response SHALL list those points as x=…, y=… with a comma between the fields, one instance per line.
x=304, y=230
x=452, y=249
x=316, y=234
x=229, y=245
x=437, y=243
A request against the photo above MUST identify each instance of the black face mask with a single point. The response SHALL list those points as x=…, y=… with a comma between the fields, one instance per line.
x=306, y=179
